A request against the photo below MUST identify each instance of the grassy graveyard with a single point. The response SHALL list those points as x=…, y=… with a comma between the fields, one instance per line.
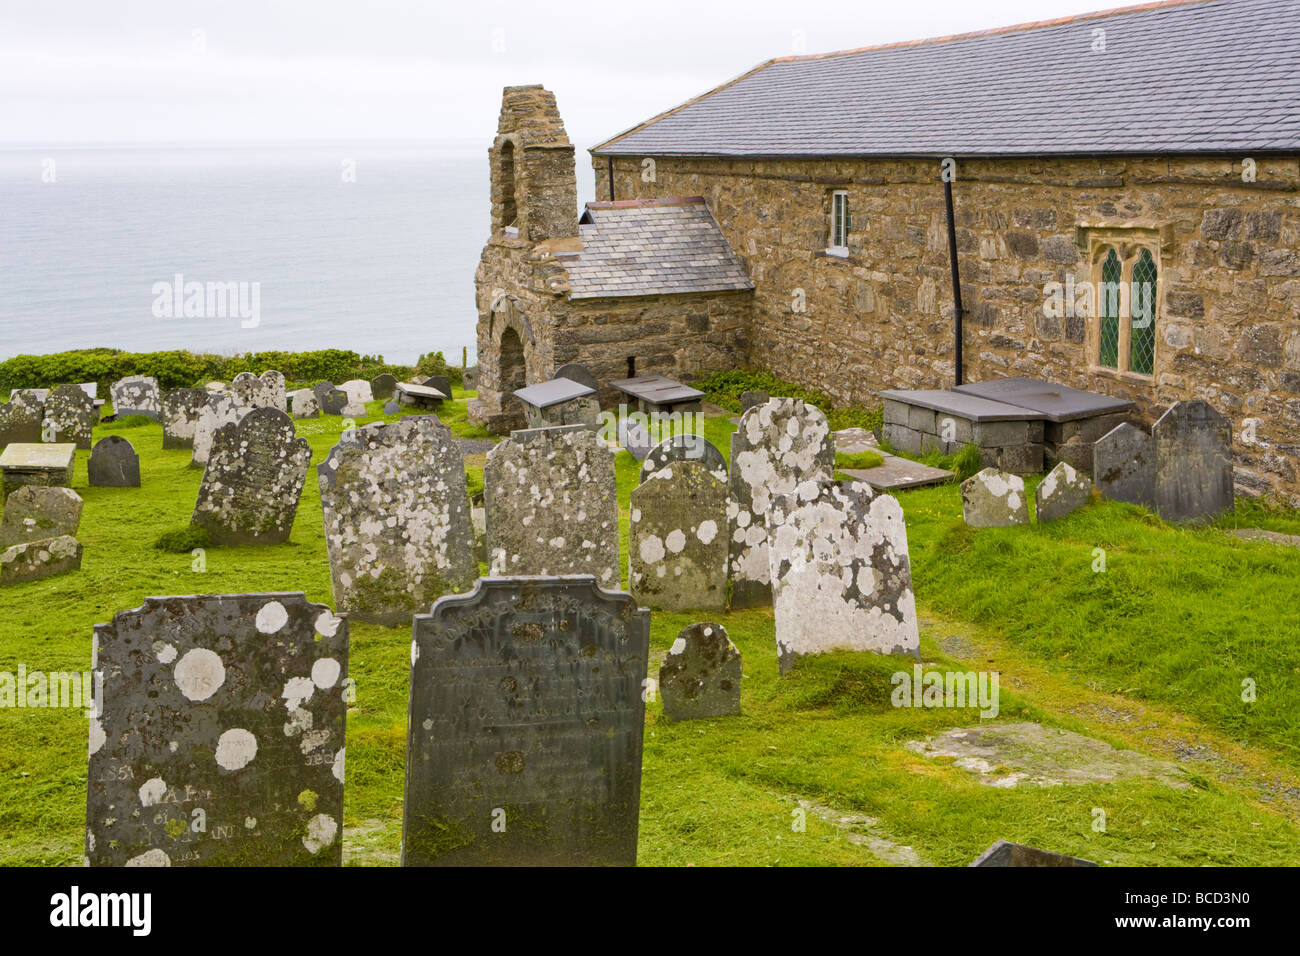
x=1108, y=624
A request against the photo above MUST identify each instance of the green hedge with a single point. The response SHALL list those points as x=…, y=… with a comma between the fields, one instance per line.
x=183, y=369
x=724, y=389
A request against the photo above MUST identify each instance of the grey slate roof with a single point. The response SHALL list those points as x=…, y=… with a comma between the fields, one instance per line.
x=1201, y=76
x=652, y=247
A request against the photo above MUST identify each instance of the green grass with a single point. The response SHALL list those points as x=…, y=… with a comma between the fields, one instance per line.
x=1162, y=638
x=858, y=459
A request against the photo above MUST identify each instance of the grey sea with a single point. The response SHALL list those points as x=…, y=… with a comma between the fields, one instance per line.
x=368, y=247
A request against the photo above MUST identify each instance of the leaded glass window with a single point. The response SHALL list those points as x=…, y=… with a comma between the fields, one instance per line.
x=1142, y=309
x=1111, y=274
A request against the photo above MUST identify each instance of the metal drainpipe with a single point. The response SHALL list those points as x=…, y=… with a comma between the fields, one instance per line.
x=611, y=178
x=957, y=311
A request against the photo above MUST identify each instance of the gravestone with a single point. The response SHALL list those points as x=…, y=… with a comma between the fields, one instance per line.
x=254, y=477
x=700, y=674
x=1063, y=490
x=20, y=422
x=382, y=386
x=634, y=436
x=259, y=391
x=181, y=410
x=776, y=448
x=42, y=464
x=1124, y=466
x=353, y=410
x=397, y=524
x=677, y=539
x=685, y=447
x=391, y=408
x=34, y=514
x=1193, y=445
x=304, y=405
x=752, y=398
x=221, y=410
x=32, y=397
x=441, y=382
x=1004, y=853
x=331, y=399
x=70, y=417
x=358, y=391
x=552, y=504
x=576, y=372
x=469, y=378
x=36, y=560
x=220, y=735
x=136, y=395
x=841, y=574
x=525, y=726
x=994, y=499
x=114, y=464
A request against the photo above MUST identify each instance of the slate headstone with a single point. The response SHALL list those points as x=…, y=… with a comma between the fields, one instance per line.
x=391, y=408
x=1063, y=490
x=525, y=726
x=685, y=447
x=70, y=417
x=382, y=386
x=34, y=513
x=332, y=400
x=397, y=524
x=36, y=560
x=752, y=398
x=994, y=499
x=220, y=735
x=114, y=464
x=1124, y=466
x=677, y=539
x=1193, y=445
x=136, y=395
x=552, y=504
x=253, y=480
x=577, y=372
x=841, y=574
x=304, y=404
x=20, y=422
x=700, y=675
x=441, y=382
x=776, y=448
x=181, y=410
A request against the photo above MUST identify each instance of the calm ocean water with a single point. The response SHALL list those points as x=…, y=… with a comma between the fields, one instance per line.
x=383, y=265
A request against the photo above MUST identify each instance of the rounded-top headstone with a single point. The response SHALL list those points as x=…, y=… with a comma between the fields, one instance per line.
x=577, y=372
x=685, y=447
x=70, y=416
x=114, y=464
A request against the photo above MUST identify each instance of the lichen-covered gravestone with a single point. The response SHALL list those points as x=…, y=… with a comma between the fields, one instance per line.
x=20, y=422
x=841, y=574
x=136, y=395
x=1193, y=463
x=685, y=447
x=525, y=726
x=777, y=447
x=70, y=416
x=303, y=404
x=397, y=523
x=33, y=514
x=181, y=410
x=1124, y=466
x=994, y=499
x=34, y=560
x=220, y=734
x=113, y=464
x=259, y=391
x=383, y=385
x=700, y=674
x=552, y=504
x=1063, y=490
x=221, y=410
x=677, y=539
x=254, y=477
x=358, y=391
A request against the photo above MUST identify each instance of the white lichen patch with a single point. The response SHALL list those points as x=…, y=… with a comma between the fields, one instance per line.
x=321, y=830
x=325, y=673
x=199, y=674
x=236, y=749
x=154, y=857
x=271, y=617
x=152, y=791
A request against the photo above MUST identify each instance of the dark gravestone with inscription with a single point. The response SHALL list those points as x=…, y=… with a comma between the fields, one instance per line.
x=113, y=464
x=219, y=734
x=1193, y=463
x=525, y=724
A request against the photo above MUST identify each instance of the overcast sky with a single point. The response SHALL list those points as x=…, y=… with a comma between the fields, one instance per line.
x=177, y=71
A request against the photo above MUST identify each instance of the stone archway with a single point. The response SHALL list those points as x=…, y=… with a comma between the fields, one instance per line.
x=506, y=355
x=512, y=370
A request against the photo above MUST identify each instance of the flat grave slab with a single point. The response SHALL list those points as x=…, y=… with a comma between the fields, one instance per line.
x=657, y=390
x=24, y=463
x=420, y=391
x=557, y=390
x=1056, y=403
x=962, y=405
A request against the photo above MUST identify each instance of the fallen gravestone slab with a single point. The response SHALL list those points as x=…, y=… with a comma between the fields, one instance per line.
x=552, y=504
x=685, y=447
x=396, y=512
x=34, y=514
x=70, y=416
x=1124, y=466
x=181, y=410
x=220, y=734
x=525, y=726
x=677, y=539
x=1193, y=463
x=136, y=395
x=1063, y=490
x=35, y=560
x=994, y=499
x=1003, y=853
x=841, y=574
x=250, y=489
x=114, y=464
x=777, y=447
x=1273, y=537
x=700, y=675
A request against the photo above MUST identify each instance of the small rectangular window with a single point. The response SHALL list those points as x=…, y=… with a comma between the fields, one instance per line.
x=840, y=222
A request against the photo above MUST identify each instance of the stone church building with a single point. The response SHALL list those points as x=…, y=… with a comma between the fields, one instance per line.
x=1113, y=200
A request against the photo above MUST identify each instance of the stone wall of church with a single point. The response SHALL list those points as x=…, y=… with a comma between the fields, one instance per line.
x=1228, y=250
